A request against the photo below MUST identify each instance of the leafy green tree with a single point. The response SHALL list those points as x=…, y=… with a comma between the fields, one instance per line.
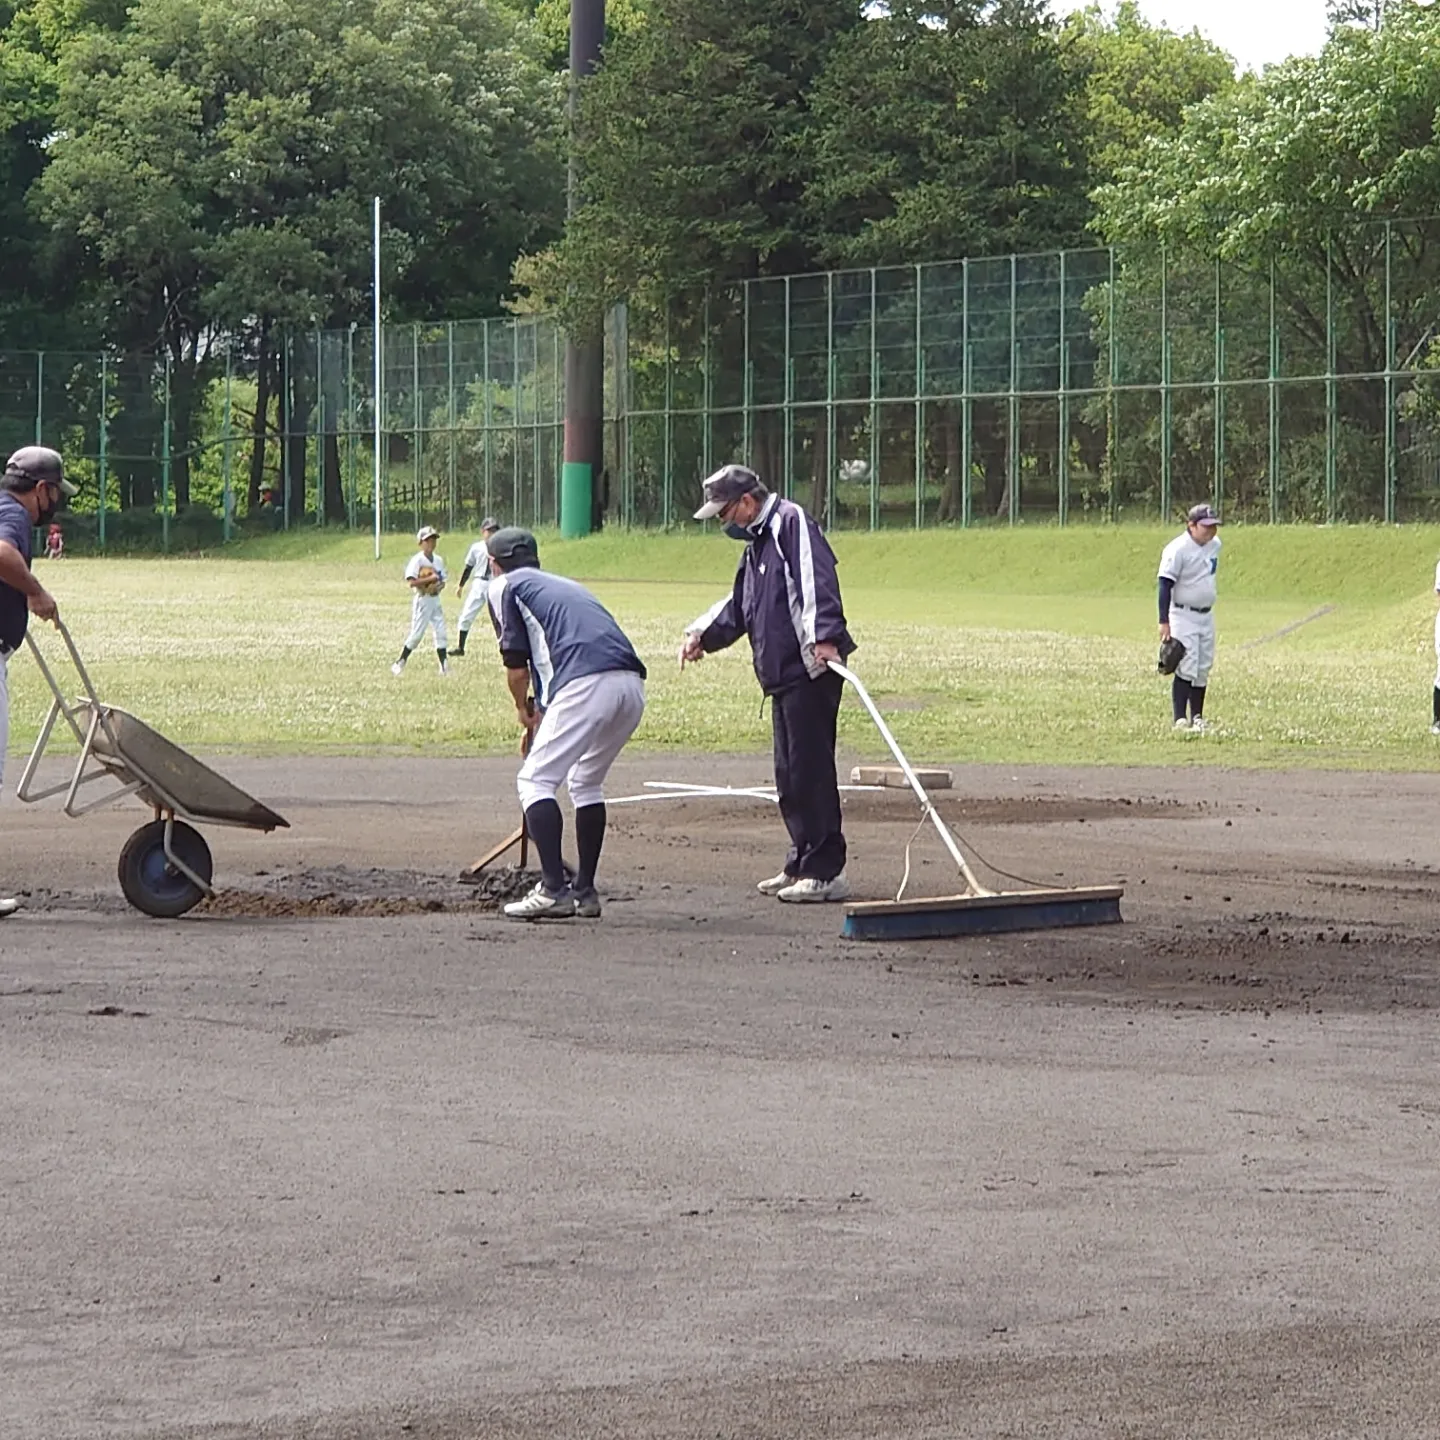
x=1140, y=80
x=1298, y=170
x=948, y=130
x=215, y=162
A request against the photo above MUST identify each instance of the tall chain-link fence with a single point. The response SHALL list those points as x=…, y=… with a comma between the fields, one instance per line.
x=1098, y=384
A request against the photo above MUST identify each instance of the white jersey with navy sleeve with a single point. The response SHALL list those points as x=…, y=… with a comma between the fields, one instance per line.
x=1192, y=567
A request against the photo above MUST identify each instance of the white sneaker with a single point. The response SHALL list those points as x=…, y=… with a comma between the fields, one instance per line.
x=776, y=883
x=540, y=904
x=1435, y=728
x=1199, y=725
x=1182, y=723
x=8, y=907
x=444, y=669
x=398, y=668
x=810, y=891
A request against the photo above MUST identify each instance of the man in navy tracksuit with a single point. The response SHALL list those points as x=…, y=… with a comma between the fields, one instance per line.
x=787, y=600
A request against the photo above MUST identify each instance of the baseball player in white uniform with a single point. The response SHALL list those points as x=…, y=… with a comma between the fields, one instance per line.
x=1187, y=603
x=425, y=611
x=1435, y=701
x=477, y=563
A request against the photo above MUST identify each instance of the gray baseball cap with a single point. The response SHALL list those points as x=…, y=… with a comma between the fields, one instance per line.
x=1202, y=514
x=513, y=543
x=489, y=523
x=726, y=486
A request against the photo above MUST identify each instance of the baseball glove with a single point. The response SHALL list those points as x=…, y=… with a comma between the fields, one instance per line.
x=429, y=578
x=1172, y=652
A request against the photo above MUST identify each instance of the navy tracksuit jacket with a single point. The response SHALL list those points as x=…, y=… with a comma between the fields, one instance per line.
x=787, y=600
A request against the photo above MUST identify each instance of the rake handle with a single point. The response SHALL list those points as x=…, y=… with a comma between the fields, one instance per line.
x=851, y=678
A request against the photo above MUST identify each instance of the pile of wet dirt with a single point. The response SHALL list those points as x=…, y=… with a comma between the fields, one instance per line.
x=341, y=890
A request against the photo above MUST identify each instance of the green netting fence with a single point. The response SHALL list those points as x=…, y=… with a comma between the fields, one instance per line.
x=1096, y=385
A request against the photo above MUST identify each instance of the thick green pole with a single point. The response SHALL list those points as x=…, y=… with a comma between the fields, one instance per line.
x=1167, y=399
x=1391, y=486
x=40, y=397
x=1274, y=415
x=1063, y=458
x=584, y=352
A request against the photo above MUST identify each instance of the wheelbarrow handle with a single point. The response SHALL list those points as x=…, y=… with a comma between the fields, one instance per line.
x=75, y=660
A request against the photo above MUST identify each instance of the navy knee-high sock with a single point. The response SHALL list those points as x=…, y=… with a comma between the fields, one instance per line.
x=546, y=826
x=589, y=838
x=1197, y=701
x=1435, y=707
x=1179, y=696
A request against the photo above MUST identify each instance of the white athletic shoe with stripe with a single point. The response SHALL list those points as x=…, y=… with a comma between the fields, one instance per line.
x=810, y=891
x=776, y=883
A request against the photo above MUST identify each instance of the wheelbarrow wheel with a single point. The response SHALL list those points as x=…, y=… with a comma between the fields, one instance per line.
x=148, y=879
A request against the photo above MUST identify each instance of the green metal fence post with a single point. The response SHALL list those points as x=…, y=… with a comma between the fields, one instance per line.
x=1274, y=405
x=1391, y=485
x=787, y=411
x=350, y=496
x=1167, y=394
x=832, y=435
x=515, y=507
x=1217, y=498
x=1331, y=390
x=1062, y=467
x=748, y=374
x=39, y=397
x=667, y=438
x=1012, y=404
x=165, y=466
x=450, y=418
x=418, y=419
x=707, y=436
x=874, y=412
x=489, y=415
x=967, y=415
x=1112, y=427
x=287, y=409
x=227, y=500
x=319, y=426
x=104, y=442
x=919, y=406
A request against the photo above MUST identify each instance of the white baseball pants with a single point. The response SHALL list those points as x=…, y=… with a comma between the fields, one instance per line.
x=474, y=602
x=425, y=612
x=1196, y=633
x=579, y=737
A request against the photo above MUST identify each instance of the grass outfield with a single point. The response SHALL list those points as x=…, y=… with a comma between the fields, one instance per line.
x=1026, y=645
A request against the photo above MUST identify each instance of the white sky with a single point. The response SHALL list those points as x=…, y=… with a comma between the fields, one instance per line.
x=1255, y=32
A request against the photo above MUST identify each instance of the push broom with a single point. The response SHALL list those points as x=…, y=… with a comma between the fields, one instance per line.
x=977, y=911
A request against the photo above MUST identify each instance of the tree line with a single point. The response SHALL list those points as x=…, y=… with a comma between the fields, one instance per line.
x=186, y=179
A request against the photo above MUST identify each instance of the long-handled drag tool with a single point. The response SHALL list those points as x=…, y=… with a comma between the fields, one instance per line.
x=978, y=911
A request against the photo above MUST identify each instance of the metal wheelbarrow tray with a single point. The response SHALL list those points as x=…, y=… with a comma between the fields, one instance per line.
x=165, y=866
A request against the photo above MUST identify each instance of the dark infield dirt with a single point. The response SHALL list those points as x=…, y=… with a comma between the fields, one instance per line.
x=343, y=1153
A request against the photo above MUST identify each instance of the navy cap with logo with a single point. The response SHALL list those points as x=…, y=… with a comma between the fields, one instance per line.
x=1202, y=514
x=512, y=543
x=725, y=487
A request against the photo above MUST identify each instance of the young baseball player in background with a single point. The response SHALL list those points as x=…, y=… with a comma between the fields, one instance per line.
x=477, y=563
x=1435, y=698
x=589, y=692
x=425, y=575
x=1187, y=601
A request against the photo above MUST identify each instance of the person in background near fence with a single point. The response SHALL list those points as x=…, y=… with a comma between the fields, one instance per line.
x=1187, y=599
x=786, y=598
x=54, y=543
x=425, y=575
x=477, y=563
x=33, y=488
x=589, y=695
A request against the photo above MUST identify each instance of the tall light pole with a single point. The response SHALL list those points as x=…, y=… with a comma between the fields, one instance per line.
x=584, y=354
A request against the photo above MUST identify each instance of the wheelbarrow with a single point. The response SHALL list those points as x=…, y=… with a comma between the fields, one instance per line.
x=165, y=866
